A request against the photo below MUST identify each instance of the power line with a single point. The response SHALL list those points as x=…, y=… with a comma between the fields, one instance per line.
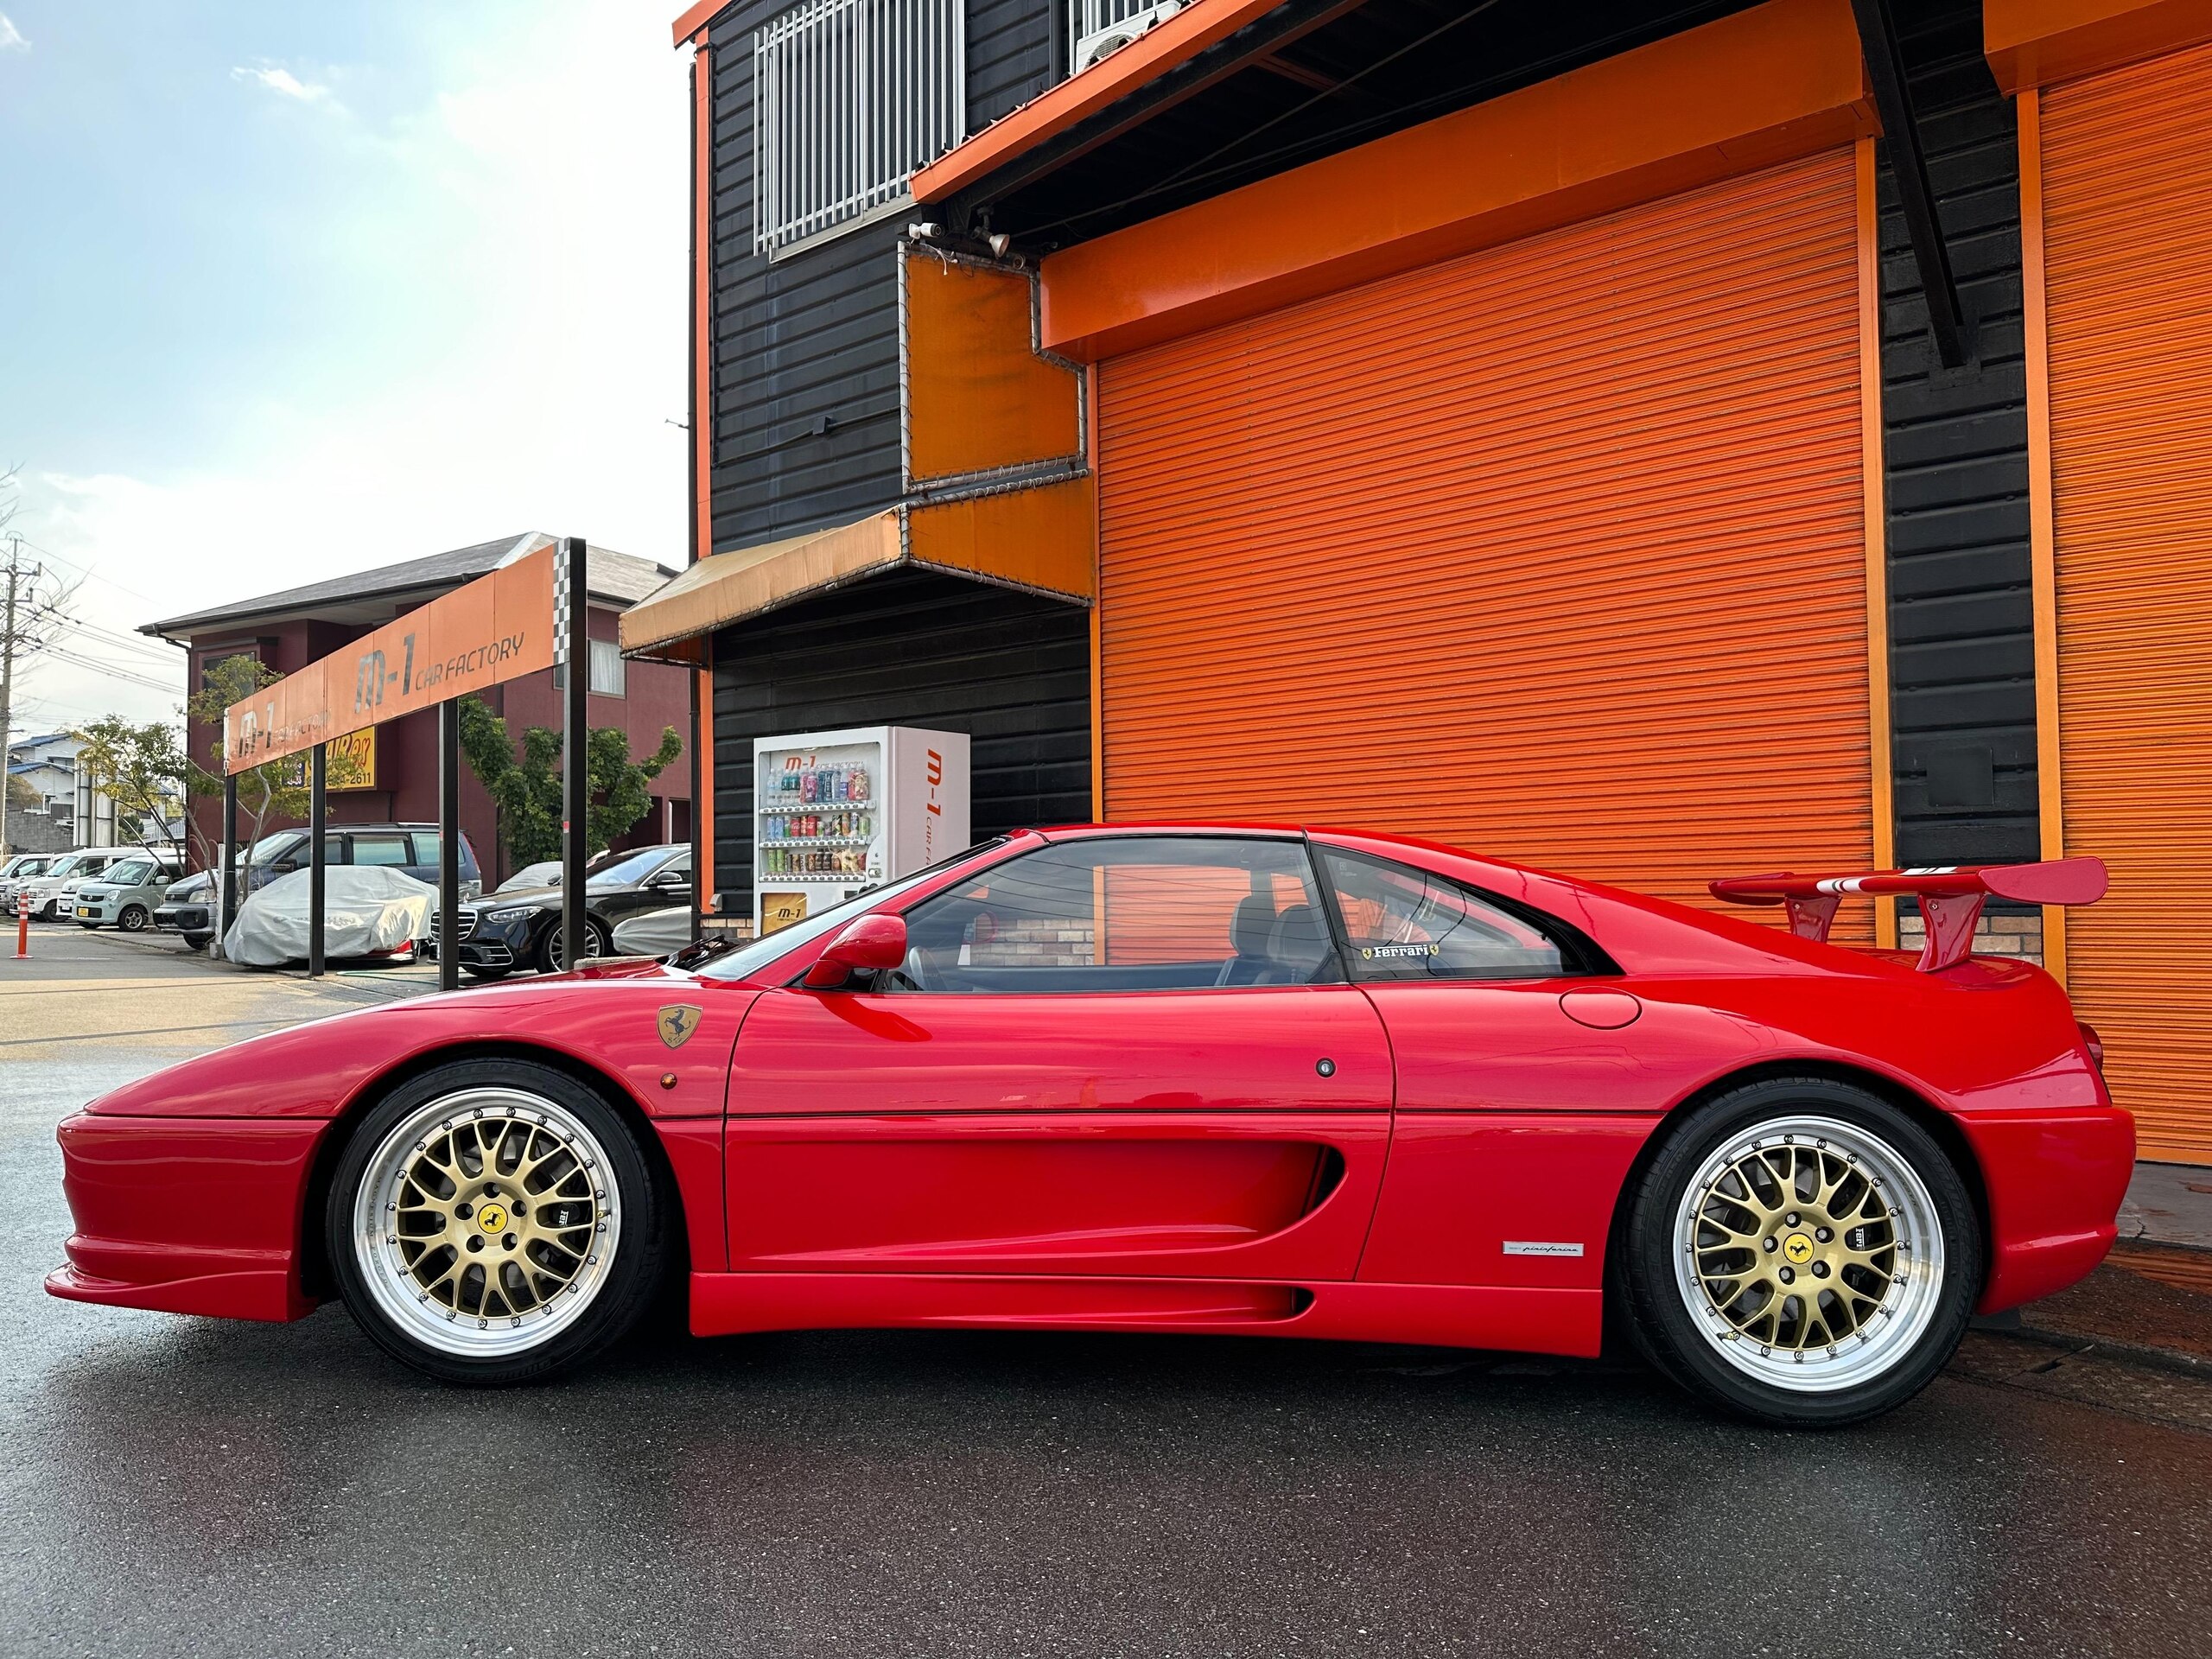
x=86, y=570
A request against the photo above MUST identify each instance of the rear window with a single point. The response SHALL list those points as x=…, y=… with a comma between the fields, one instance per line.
x=383, y=850
x=1402, y=923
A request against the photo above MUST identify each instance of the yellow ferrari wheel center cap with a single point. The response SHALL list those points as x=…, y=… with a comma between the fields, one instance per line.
x=1797, y=1247
x=493, y=1218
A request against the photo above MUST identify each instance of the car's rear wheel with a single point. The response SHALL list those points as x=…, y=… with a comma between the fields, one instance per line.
x=1802, y=1253
x=133, y=920
x=549, y=950
x=492, y=1222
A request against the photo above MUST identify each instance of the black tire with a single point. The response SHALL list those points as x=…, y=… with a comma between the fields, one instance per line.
x=548, y=953
x=133, y=918
x=625, y=1287
x=195, y=941
x=1875, y=1362
x=475, y=972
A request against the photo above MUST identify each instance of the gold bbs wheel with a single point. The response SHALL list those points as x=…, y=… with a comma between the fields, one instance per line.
x=486, y=1222
x=1808, y=1254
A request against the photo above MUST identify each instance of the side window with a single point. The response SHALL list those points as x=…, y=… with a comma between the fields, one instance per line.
x=1402, y=923
x=1144, y=913
x=382, y=850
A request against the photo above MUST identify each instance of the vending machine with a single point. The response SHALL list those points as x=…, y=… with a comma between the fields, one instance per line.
x=836, y=813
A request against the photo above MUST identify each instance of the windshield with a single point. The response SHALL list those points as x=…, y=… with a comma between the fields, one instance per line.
x=68, y=866
x=636, y=868
x=271, y=847
x=743, y=964
x=129, y=873
x=31, y=867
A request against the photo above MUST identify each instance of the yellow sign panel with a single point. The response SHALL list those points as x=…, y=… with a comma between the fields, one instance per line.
x=780, y=910
x=351, y=763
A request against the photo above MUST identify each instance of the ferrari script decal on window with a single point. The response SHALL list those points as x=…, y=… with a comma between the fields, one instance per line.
x=676, y=1023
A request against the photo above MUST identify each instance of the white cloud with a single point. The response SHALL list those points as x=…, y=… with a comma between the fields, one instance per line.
x=530, y=240
x=12, y=38
x=278, y=79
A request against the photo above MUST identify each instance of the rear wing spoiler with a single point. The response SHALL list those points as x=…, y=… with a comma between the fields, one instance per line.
x=1950, y=898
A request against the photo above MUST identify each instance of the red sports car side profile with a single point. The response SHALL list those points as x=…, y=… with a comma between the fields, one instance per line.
x=1231, y=1079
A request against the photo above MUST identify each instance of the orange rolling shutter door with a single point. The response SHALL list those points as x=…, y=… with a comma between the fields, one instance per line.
x=1555, y=551
x=2127, y=245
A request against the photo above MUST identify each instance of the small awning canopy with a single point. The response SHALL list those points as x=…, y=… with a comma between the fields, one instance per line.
x=1041, y=539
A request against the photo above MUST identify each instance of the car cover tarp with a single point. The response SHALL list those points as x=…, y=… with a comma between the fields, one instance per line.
x=365, y=908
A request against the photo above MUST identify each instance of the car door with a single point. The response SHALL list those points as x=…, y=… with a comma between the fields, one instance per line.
x=1112, y=1055
x=668, y=885
x=1529, y=1076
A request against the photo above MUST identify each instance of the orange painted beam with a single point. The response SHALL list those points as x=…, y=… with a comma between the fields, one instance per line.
x=703, y=427
x=693, y=22
x=1746, y=93
x=2036, y=42
x=1181, y=38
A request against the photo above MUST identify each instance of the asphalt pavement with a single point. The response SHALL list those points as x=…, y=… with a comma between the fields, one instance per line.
x=179, y=1486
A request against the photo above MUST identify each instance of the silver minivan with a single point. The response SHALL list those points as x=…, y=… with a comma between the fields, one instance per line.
x=48, y=891
x=21, y=867
x=125, y=895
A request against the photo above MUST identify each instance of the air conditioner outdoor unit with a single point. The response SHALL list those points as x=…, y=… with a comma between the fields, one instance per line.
x=1097, y=47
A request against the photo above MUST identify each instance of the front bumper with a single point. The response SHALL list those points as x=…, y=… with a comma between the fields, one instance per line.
x=101, y=912
x=183, y=918
x=487, y=944
x=187, y=1214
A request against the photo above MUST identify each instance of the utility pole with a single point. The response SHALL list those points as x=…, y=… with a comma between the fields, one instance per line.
x=8, y=672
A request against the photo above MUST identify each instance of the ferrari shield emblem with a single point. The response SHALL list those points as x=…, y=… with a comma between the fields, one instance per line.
x=677, y=1022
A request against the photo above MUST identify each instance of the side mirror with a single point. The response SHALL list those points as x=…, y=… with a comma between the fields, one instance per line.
x=867, y=945
x=670, y=879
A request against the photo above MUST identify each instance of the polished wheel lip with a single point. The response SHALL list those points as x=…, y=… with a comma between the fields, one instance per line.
x=1909, y=1305
x=593, y=949
x=386, y=1272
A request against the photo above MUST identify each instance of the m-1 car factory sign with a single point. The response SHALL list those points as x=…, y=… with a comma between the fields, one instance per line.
x=498, y=627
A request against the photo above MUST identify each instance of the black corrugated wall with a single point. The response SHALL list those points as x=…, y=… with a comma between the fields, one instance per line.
x=1011, y=669
x=806, y=424
x=806, y=347
x=1961, y=627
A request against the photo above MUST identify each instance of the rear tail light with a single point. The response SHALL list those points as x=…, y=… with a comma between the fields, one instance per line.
x=2093, y=1043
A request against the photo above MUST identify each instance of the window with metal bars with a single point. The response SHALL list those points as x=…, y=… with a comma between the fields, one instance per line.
x=1101, y=28
x=851, y=97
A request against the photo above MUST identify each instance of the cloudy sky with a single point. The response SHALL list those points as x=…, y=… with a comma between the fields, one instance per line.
x=292, y=289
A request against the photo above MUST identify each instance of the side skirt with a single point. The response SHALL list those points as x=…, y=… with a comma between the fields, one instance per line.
x=1543, y=1321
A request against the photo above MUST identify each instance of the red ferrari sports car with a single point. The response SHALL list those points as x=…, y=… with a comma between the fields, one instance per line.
x=1231, y=1079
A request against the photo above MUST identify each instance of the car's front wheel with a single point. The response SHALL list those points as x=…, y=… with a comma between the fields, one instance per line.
x=133, y=920
x=491, y=1223
x=549, y=950
x=1802, y=1253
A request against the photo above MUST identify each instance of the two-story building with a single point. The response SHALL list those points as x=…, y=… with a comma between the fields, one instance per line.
x=1655, y=440
x=389, y=774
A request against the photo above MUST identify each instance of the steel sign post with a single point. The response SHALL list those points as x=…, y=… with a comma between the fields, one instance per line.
x=449, y=846
x=226, y=886
x=318, y=856
x=572, y=652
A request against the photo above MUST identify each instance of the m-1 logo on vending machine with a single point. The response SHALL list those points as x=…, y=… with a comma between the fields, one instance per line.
x=933, y=807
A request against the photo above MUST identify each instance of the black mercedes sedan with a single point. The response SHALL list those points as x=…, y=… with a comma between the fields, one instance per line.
x=521, y=929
